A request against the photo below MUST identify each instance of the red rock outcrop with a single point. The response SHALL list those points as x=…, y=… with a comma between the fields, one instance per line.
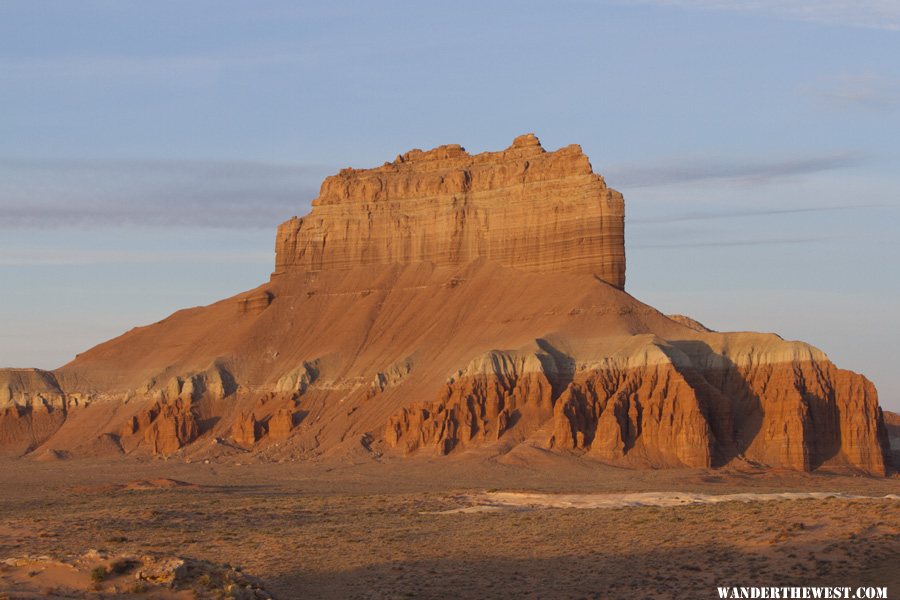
x=480, y=403
x=648, y=402
x=173, y=428
x=165, y=428
x=246, y=430
x=281, y=424
x=630, y=405
x=737, y=395
x=523, y=207
x=642, y=416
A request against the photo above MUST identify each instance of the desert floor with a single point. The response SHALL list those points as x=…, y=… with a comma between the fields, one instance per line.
x=444, y=528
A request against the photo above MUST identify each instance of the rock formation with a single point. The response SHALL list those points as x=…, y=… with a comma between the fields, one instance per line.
x=166, y=427
x=246, y=430
x=458, y=304
x=477, y=404
x=281, y=424
x=448, y=207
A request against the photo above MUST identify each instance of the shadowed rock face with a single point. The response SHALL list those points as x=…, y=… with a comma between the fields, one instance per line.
x=892, y=424
x=457, y=304
x=523, y=207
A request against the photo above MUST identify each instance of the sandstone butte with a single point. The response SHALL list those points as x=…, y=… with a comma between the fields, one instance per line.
x=451, y=304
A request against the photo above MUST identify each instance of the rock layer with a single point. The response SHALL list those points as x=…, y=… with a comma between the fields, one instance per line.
x=524, y=207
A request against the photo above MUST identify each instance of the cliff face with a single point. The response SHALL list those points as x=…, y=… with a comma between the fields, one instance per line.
x=643, y=401
x=479, y=404
x=461, y=305
x=523, y=207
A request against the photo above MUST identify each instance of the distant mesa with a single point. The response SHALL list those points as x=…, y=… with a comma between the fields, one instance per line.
x=453, y=304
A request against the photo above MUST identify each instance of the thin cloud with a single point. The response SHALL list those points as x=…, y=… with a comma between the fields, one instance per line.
x=153, y=193
x=632, y=176
x=868, y=91
x=142, y=67
x=870, y=14
x=729, y=243
x=737, y=214
x=73, y=257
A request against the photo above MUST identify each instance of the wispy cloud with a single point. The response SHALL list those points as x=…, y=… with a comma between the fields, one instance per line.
x=74, y=256
x=674, y=172
x=738, y=213
x=872, y=14
x=727, y=243
x=103, y=193
x=867, y=90
x=143, y=67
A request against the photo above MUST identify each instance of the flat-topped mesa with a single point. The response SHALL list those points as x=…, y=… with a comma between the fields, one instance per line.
x=523, y=207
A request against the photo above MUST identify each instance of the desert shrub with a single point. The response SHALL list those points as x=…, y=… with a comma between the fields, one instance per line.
x=98, y=574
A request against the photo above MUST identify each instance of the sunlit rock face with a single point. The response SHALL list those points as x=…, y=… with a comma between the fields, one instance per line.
x=524, y=208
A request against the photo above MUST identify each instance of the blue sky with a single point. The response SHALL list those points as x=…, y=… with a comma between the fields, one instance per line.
x=148, y=150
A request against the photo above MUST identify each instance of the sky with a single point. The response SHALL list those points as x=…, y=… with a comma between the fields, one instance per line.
x=148, y=150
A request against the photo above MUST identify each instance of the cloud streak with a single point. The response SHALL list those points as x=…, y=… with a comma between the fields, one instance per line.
x=870, y=14
x=120, y=67
x=80, y=257
x=749, y=173
x=738, y=214
x=733, y=243
x=869, y=91
x=44, y=194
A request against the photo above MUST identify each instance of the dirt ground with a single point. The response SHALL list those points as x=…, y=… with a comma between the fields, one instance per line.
x=399, y=529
